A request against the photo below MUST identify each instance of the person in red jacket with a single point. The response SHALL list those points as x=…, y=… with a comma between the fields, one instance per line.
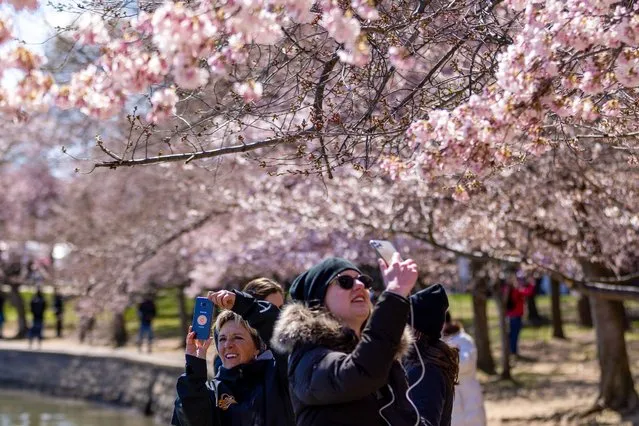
x=516, y=290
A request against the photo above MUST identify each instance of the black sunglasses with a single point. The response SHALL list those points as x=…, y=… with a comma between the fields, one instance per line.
x=347, y=282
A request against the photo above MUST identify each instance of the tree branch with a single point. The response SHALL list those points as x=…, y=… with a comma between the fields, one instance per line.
x=189, y=156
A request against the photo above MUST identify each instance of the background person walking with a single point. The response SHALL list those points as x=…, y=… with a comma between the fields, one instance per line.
x=515, y=293
x=1, y=312
x=146, y=313
x=38, y=307
x=58, y=310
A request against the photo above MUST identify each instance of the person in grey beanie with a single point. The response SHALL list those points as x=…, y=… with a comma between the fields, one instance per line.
x=344, y=355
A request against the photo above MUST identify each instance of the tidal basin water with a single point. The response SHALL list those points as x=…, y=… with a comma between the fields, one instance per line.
x=33, y=409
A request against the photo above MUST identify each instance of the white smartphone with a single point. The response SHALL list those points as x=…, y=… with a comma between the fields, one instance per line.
x=384, y=249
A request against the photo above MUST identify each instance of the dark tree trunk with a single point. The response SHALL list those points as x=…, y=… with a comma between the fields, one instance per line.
x=118, y=331
x=485, y=361
x=18, y=302
x=503, y=332
x=555, y=302
x=627, y=324
x=184, y=317
x=533, y=313
x=616, y=387
x=583, y=311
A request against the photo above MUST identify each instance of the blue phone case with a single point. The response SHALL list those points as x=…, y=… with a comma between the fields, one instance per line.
x=202, y=317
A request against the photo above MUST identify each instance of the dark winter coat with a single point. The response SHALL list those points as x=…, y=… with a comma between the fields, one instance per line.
x=254, y=394
x=38, y=306
x=246, y=395
x=146, y=312
x=337, y=379
x=433, y=396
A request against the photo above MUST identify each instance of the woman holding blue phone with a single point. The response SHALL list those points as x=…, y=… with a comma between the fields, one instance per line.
x=343, y=366
x=247, y=389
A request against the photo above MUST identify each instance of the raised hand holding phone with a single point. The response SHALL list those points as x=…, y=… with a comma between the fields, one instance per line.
x=384, y=249
x=399, y=276
x=202, y=318
x=197, y=347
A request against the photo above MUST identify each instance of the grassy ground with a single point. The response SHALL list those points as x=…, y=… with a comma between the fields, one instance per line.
x=558, y=379
x=167, y=323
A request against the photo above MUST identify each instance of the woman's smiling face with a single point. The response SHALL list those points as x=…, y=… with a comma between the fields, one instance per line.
x=235, y=345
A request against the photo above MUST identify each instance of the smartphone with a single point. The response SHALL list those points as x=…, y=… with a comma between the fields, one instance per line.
x=202, y=318
x=384, y=249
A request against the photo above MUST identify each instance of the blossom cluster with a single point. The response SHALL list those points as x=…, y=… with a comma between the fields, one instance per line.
x=572, y=64
x=180, y=45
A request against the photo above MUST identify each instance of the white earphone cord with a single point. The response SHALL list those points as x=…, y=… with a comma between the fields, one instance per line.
x=421, y=377
x=421, y=361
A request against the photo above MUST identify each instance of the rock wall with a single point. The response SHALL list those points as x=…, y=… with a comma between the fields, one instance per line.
x=147, y=387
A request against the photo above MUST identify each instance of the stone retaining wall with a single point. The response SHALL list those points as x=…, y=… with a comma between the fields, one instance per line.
x=147, y=387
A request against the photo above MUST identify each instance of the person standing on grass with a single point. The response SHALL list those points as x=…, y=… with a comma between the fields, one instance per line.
x=515, y=293
x=146, y=313
x=58, y=310
x=1, y=311
x=468, y=407
x=38, y=307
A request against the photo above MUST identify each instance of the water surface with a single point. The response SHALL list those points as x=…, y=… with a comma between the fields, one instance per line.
x=33, y=409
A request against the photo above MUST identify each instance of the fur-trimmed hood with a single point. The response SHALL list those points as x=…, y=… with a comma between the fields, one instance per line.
x=299, y=325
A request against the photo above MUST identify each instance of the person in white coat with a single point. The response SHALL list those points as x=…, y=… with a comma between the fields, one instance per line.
x=468, y=407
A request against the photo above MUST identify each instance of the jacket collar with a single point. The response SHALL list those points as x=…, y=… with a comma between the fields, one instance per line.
x=299, y=326
x=244, y=370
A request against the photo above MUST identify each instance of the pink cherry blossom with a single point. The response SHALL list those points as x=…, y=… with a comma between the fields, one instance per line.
x=190, y=76
x=24, y=59
x=250, y=91
x=342, y=28
x=91, y=30
x=163, y=103
x=365, y=9
x=24, y=4
x=5, y=29
x=401, y=59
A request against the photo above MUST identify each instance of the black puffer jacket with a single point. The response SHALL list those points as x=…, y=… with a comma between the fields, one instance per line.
x=337, y=379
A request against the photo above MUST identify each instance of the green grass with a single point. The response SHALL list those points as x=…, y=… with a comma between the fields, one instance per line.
x=167, y=323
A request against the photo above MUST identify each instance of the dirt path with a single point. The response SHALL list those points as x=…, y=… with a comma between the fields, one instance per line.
x=558, y=381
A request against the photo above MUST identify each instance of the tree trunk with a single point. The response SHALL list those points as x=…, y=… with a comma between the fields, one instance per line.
x=18, y=302
x=555, y=301
x=533, y=313
x=616, y=387
x=118, y=331
x=184, y=317
x=627, y=324
x=503, y=332
x=584, y=312
x=485, y=361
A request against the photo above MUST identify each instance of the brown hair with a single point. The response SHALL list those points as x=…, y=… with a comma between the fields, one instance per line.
x=226, y=316
x=450, y=326
x=438, y=353
x=261, y=288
